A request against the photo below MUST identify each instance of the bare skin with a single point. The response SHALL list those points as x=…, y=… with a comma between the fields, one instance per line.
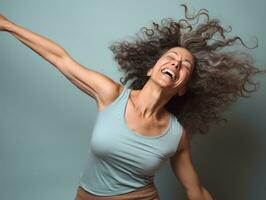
x=146, y=106
x=145, y=113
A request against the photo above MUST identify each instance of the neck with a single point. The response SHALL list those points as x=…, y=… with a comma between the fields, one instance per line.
x=150, y=101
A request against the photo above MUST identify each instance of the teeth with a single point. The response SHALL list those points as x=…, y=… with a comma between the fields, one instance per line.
x=171, y=72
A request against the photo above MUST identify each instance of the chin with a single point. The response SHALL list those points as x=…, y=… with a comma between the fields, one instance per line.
x=165, y=84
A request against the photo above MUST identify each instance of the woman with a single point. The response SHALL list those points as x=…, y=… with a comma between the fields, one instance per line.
x=181, y=84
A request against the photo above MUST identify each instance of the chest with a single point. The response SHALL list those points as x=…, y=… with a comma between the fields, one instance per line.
x=142, y=126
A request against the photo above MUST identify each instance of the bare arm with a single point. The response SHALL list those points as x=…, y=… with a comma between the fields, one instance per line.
x=182, y=166
x=102, y=88
x=46, y=48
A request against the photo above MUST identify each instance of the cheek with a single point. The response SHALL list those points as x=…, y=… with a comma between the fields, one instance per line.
x=184, y=75
x=158, y=66
x=188, y=77
x=163, y=61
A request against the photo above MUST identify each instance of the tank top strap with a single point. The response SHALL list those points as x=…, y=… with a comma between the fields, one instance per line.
x=119, y=99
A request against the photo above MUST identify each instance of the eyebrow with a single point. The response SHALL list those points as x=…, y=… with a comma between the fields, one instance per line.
x=184, y=59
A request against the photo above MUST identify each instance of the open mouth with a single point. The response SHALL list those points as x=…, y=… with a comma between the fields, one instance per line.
x=170, y=74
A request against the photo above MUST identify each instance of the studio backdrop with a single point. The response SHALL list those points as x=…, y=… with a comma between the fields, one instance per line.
x=46, y=122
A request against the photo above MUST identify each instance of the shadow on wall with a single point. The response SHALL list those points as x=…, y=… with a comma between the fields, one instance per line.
x=228, y=160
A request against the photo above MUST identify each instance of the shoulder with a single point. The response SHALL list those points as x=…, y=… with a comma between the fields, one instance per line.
x=184, y=140
x=111, y=94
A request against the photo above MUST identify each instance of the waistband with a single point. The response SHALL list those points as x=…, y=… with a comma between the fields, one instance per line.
x=148, y=192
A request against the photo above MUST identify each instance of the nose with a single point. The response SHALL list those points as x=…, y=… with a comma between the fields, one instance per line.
x=176, y=63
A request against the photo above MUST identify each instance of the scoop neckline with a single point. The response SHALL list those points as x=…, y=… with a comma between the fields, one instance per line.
x=164, y=132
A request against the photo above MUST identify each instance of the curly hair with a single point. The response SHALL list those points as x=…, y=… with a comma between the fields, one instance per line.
x=218, y=80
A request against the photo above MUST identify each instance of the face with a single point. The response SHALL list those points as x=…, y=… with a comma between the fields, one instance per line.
x=180, y=64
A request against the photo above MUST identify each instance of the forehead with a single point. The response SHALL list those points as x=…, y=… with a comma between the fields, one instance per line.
x=182, y=51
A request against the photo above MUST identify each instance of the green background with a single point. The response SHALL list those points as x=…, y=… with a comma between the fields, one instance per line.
x=46, y=122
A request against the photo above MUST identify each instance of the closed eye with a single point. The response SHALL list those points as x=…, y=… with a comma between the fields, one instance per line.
x=187, y=64
x=170, y=57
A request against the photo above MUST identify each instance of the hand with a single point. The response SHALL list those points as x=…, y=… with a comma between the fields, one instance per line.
x=3, y=22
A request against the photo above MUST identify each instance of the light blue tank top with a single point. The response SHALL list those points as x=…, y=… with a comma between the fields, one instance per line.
x=121, y=160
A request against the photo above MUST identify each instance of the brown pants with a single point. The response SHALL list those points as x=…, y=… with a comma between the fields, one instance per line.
x=148, y=192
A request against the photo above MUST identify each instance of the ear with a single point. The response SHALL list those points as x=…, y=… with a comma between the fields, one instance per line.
x=149, y=72
x=182, y=91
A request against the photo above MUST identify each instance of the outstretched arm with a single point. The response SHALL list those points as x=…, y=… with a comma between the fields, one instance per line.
x=97, y=85
x=182, y=166
x=46, y=48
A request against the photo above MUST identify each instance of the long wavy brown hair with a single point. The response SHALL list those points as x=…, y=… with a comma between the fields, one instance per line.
x=218, y=80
